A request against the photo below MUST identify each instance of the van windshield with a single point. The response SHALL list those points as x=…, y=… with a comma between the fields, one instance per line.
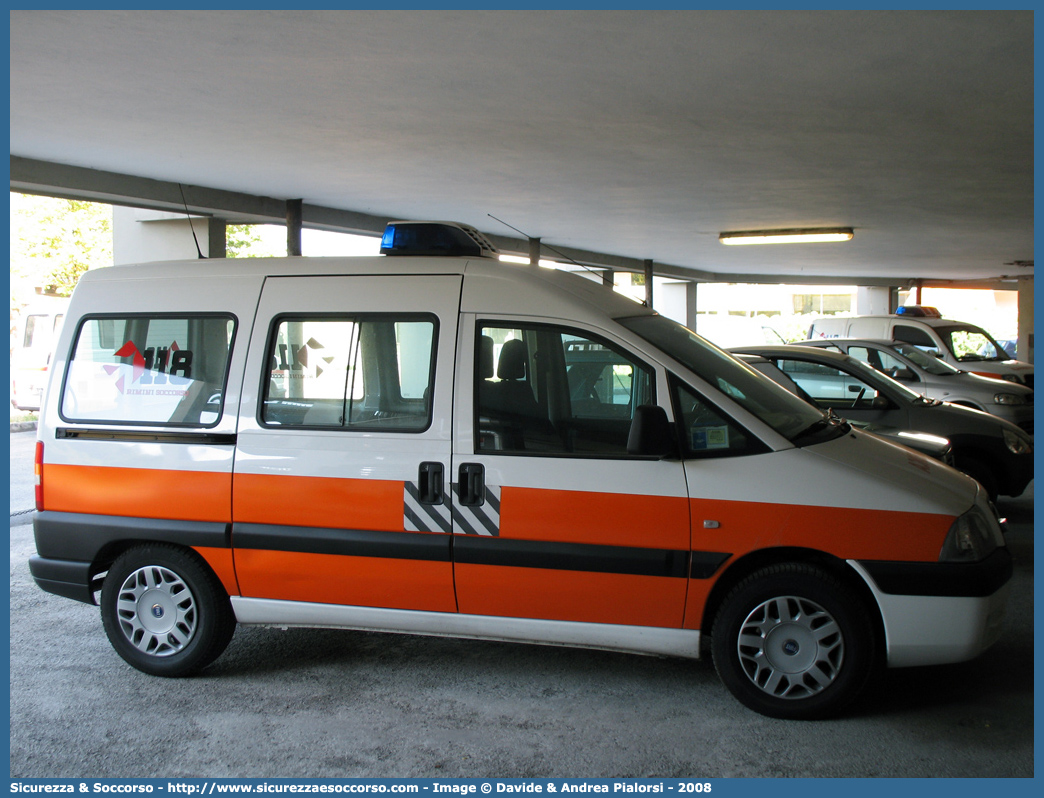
x=969, y=343
x=785, y=413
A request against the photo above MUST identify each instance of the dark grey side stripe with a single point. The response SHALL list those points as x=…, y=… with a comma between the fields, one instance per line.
x=706, y=563
x=79, y=536
x=977, y=579
x=570, y=556
x=350, y=542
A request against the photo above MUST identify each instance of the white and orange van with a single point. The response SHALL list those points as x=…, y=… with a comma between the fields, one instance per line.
x=437, y=443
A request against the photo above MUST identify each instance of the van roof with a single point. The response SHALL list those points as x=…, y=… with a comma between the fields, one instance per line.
x=929, y=321
x=516, y=288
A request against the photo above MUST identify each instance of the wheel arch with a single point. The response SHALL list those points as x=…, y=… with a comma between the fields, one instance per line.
x=113, y=549
x=735, y=572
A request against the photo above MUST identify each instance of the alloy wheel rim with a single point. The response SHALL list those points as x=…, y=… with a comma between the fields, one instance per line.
x=157, y=611
x=790, y=647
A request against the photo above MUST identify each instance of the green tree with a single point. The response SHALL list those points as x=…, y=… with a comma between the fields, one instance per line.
x=242, y=241
x=54, y=241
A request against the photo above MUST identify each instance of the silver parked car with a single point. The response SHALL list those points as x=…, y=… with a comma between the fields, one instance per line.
x=994, y=451
x=925, y=373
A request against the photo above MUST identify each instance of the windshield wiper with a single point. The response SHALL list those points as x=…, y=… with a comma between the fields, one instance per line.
x=831, y=422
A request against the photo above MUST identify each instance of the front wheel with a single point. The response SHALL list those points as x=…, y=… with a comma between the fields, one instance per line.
x=164, y=611
x=793, y=641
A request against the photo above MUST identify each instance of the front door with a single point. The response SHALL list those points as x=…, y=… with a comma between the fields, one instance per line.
x=553, y=519
x=340, y=490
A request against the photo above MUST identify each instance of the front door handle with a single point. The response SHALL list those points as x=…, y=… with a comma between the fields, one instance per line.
x=472, y=484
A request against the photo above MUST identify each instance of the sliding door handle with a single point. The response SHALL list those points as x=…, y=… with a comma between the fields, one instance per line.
x=430, y=482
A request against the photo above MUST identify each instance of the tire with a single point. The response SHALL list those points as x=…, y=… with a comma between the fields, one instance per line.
x=793, y=641
x=164, y=611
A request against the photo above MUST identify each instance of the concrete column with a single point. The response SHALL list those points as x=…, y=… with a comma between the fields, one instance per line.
x=142, y=236
x=534, y=252
x=690, y=305
x=217, y=238
x=877, y=300
x=648, y=266
x=1026, y=319
x=609, y=278
x=294, y=223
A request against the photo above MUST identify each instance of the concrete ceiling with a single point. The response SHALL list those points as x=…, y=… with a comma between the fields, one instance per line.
x=639, y=134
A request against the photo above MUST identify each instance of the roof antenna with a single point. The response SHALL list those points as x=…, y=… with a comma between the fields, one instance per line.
x=583, y=266
x=193, y=229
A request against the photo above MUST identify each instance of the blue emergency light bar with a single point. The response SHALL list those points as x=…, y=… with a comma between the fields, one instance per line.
x=923, y=311
x=435, y=238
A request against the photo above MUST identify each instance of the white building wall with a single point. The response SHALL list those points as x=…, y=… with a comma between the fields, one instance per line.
x=141, y=236
x=873, y=301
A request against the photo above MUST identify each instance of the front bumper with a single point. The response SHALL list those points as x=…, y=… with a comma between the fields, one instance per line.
x=939, y=613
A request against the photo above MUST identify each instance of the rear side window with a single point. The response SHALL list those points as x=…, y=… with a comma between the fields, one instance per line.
x=30, y=338
x=912, y=335
x=152, y=370
x=364, y=373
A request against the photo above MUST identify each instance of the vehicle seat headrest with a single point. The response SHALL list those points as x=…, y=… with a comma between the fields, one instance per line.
x=512, y=365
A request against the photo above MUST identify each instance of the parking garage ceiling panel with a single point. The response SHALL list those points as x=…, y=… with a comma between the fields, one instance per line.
x=641, y=134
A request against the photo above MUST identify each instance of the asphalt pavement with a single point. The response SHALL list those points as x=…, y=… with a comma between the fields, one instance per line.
x=326, y=703
x=23, y=482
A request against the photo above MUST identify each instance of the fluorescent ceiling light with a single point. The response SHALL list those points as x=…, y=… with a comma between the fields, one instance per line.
x=805, y=235
x=544, y=263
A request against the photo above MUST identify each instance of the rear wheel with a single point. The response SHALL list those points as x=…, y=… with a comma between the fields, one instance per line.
x=164, y=611
x=793, y=641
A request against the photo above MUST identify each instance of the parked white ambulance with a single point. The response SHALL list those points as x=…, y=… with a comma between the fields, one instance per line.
x=36, y=333
x=438, y=443
x=964, y=346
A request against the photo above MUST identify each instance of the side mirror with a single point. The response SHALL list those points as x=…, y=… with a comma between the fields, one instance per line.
x=903, y=375
x=651, y=434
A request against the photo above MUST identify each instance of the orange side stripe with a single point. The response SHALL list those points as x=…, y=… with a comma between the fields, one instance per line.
x=341, y=579
x=610, y=519
x=842, y=531
x=220, y=562
x=374, y=504
x=588, y=597
x=138, y=492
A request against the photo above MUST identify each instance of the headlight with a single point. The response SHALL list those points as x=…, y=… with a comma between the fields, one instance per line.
x=1016, y=443
x=1009, y=378
x=1009, y=399
x=973, y=537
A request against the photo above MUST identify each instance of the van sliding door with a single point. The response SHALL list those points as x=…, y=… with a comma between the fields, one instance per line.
x=340, y=489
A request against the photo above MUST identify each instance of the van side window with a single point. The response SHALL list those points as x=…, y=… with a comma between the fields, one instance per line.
x=153, y=370
x=912, y=335
x=708, y=432
x=351, y=373
x=30, y=331
x=554, y=390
